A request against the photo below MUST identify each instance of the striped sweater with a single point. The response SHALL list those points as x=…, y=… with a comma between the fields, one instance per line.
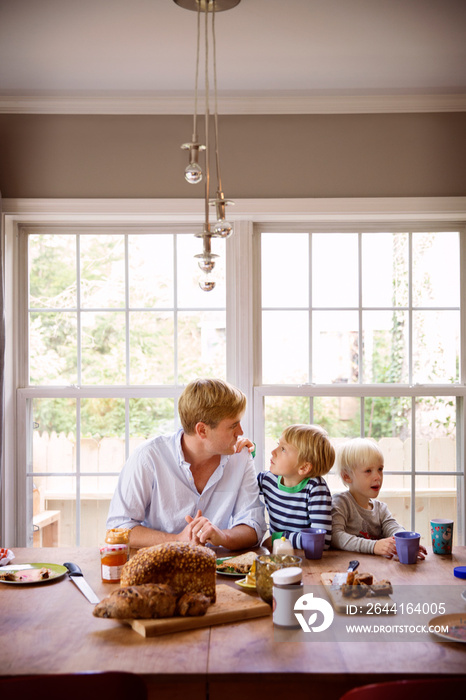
x=309, y=504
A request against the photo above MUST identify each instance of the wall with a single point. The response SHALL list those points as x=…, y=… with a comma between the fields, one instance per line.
x=263, y=156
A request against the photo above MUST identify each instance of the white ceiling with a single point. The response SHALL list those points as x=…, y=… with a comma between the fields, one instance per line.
x=269, y=50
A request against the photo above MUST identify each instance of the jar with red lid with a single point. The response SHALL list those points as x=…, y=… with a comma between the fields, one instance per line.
x=112, y=559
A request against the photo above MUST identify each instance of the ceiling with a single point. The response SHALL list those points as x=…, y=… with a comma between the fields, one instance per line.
x=270, y=53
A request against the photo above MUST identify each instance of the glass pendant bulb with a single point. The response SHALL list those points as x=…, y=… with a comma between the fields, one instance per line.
x=206, y=285
x=193, y=173
x=206, y=265
x=222, y=229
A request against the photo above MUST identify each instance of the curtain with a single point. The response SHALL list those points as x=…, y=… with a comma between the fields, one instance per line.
x=2, y=365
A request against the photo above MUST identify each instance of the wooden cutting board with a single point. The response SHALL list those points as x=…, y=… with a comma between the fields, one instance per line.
x=231, y=605
x=340, y=603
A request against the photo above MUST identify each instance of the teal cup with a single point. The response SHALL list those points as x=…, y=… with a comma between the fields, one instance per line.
x=441, y=530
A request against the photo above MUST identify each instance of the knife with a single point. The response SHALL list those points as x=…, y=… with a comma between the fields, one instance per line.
x=340, y=579
x=76, y=575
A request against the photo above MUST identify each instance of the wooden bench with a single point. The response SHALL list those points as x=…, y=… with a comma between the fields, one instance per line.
x=46, y=526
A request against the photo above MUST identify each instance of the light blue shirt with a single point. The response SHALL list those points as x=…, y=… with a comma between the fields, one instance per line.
x=156, y=489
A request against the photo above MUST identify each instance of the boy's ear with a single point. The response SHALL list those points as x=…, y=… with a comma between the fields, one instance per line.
x=346, y=478
x=305, y=469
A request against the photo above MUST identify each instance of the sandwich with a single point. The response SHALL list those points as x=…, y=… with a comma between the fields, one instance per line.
x=237, y=565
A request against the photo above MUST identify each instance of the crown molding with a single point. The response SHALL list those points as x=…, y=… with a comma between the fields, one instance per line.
x=288, y=102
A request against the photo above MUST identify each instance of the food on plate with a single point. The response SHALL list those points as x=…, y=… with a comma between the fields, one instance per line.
x=149, y=601
x=28, y=576
x=185, y=567
x=238, y=565
x=250, y=579
x=362, y=585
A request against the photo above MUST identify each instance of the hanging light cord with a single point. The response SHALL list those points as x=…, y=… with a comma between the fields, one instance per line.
x=196, y=80
x=207, y=116
x=214, y=51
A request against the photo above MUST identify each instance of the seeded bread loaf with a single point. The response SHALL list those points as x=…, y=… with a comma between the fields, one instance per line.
x=185, y=567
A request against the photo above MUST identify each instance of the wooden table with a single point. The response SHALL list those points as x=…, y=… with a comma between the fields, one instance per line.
x=49, y=628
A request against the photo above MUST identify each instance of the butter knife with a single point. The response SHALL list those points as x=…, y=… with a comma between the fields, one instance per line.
x=340, y=579
x=76, y=575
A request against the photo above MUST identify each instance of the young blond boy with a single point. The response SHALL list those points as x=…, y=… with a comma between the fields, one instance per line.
x=360, y=523
x=294, y=492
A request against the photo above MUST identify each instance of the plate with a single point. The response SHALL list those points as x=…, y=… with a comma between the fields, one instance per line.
x=463, y=595
x=57, y=572
x=226, y=573
x=244, y=584
x=456, y=626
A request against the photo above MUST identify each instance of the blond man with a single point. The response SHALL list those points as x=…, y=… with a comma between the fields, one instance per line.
x=197, y=485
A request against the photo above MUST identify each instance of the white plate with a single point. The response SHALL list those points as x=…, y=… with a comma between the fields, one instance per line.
x=457, y=626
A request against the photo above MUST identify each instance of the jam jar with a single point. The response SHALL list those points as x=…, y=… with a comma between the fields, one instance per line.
x=112, y=559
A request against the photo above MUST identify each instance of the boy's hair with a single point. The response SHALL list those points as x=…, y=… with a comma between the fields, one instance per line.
x=358, y=452
x=313, y=445
x=209, y=401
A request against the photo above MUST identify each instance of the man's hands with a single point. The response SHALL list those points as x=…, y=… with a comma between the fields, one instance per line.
x=200, y=530
x=387, y=548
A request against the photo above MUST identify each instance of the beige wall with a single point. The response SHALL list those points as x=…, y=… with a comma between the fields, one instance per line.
x=372, y=155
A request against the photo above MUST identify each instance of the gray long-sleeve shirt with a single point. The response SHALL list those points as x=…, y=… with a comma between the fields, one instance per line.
x=357, y=529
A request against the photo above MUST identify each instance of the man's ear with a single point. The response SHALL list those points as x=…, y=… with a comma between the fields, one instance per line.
x=201, y=430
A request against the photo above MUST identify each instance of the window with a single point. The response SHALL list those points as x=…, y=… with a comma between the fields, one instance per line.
x=361, y=334
x=328, y=316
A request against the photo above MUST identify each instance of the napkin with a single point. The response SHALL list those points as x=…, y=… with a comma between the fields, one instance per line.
x=6, y=555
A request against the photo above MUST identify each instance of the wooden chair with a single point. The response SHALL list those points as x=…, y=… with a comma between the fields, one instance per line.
x=118, y=685
x=451, y=687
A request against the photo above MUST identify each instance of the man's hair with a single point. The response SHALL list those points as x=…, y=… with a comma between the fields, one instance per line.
x=209, y=401
x=313, y=445
x=358, y=452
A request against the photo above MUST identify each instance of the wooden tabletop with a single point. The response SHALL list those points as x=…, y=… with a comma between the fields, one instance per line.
x=49, y=628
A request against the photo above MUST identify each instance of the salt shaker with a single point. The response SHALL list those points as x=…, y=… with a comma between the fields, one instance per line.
x=287, y=588
x=282, y=546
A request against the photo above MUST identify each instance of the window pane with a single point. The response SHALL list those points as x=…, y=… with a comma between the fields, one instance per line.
x=339, y=416
x=335, y=347
x=385, y=335
x=285, y=269
x=102, y=271
x=279, y=412
x=436, y=346
x=53, y=348
x=96, y=494
x=152, y=344
x=385, y=269
x=388, y=419
x=285, y=347
x=201, y=345
x=150, y=259
x=53, y=522
x=437, y=501
x=335, y=269
x=54, y=423
x=52, y=271
x=190, y=296
x=101, y=418
x=150, y=417
x=436, y=269
x=103, y=348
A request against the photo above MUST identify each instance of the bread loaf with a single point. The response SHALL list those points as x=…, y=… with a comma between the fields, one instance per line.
x=149, y=601
x=185, y=567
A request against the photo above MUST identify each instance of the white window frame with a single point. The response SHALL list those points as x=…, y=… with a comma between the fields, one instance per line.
x=243, y=292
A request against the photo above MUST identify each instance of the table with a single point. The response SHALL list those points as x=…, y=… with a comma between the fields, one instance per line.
x=49, y=628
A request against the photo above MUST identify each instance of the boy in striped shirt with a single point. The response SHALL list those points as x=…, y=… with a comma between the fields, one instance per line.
x=294, y=491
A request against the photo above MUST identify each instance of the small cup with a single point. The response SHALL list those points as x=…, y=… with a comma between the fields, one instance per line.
x=441, y=530
x=407, y=546
x=313, y=541
x=266, y=564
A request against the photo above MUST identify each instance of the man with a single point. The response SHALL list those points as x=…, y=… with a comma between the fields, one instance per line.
x=197, y=485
